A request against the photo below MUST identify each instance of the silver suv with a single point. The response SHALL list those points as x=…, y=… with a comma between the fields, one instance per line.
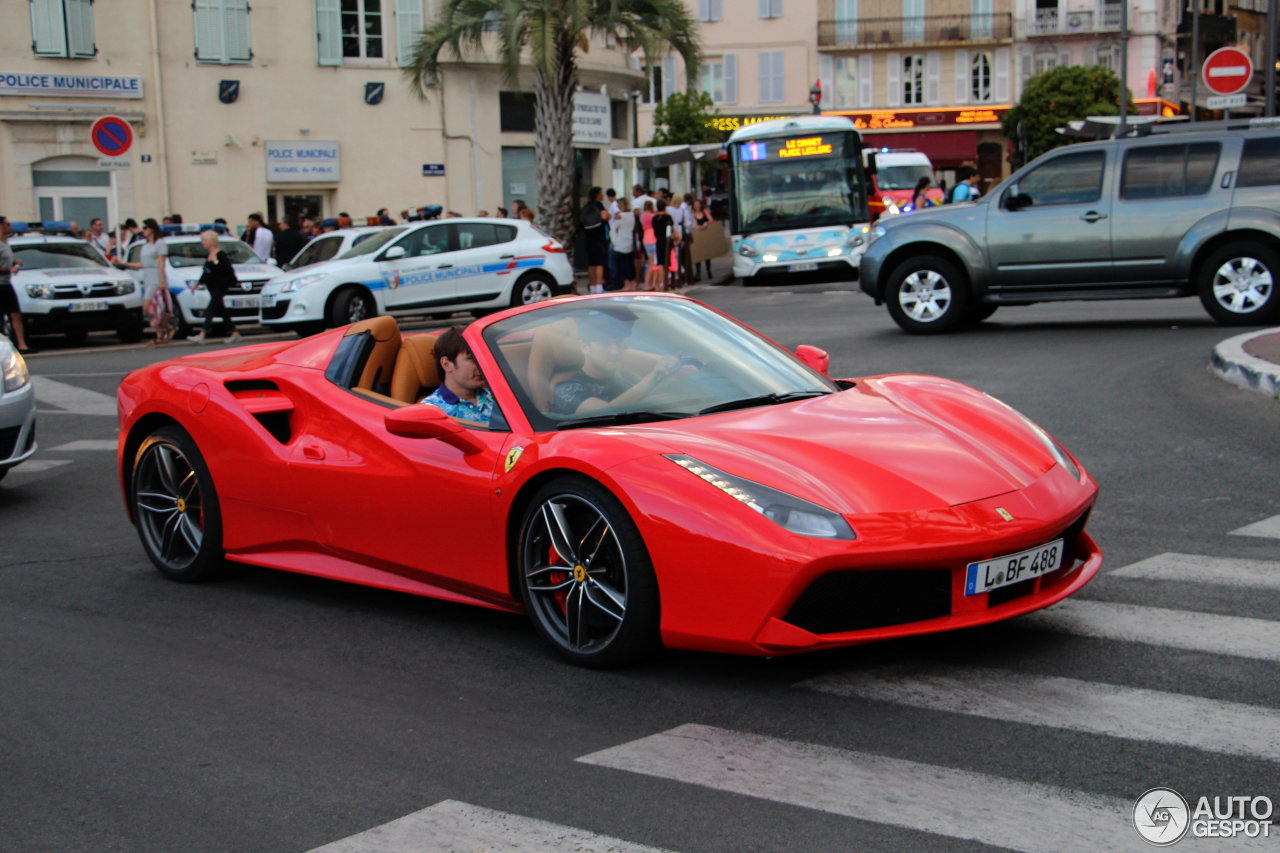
x=1178, y=210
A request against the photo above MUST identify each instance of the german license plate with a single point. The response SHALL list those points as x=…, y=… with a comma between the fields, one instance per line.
x=808, y=266
x=268, y=301
x=242, y=302
x=96, y=305
x=1012, y=568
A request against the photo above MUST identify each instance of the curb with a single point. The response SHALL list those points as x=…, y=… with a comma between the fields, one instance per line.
x=1231, y=363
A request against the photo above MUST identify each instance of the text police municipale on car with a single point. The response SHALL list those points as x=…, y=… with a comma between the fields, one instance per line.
x=653, y=473
x=185, y=264
x=65, y=286
x=17, y=409
x=434, y=267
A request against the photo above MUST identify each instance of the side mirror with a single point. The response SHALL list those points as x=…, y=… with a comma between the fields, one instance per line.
x=815, y=357
x=273, y=262
x=392, y=254
x=426, y=421
x=871, y=163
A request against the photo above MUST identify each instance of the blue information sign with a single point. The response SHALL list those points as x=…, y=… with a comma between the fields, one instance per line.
x=432, y=170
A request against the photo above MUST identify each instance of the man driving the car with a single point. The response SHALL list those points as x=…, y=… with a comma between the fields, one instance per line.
x=463, y=393
x=602, y=381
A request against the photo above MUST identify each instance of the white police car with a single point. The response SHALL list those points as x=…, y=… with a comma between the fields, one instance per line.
x=17, y=409
x=186, y=257
x=434, y=267
x=65, y=286
x=328, y=246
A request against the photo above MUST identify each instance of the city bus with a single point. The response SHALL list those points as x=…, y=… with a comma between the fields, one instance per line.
x=798, y=199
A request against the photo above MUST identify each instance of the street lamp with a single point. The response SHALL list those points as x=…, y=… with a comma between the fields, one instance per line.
x=815, y=96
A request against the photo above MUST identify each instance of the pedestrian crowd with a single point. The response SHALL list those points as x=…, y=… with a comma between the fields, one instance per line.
x=642, y=243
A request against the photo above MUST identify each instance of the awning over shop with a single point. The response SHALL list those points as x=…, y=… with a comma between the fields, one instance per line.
x=667, y=155
x=943, y=147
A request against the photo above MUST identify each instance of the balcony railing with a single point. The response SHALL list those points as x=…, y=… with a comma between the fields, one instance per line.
x=935, y=29
x=1106, y=19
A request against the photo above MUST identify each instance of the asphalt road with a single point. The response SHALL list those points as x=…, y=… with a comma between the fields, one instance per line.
x=274, y=712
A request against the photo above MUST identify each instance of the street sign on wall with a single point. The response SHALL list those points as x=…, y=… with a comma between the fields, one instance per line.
x=1227, y=70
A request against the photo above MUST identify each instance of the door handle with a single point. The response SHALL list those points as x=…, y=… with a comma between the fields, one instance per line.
x=505, y=257
x=312, y=451
x=445, y=267
x=1093, y=216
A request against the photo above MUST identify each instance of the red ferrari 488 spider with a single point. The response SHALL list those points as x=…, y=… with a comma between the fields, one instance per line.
x=652, y=473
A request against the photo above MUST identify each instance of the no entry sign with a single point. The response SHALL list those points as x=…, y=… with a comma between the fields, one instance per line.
x=1227, y=70
x=112, y=136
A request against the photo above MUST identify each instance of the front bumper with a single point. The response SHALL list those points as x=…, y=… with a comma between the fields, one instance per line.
x=61, y=318
x=17, y=426
x=842, y=268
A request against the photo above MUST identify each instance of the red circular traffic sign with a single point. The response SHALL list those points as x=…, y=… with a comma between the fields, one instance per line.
x=1227, y=70
x=111, y=135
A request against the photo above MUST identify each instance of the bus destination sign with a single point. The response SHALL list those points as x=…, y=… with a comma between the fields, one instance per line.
x=810, y=147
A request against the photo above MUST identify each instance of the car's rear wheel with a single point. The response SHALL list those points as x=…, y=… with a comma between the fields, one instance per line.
x=351, y=305
x=533, y=287
x=131, y=330
x=928, y=295
x=1238, y=285
x=585, y=575
x=175, y=507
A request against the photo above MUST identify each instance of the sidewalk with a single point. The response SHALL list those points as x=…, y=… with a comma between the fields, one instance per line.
x=1251, y=361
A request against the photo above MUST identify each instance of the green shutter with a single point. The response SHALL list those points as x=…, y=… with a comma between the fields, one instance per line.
x=207, y=21
x=48, y=28
x=235, y=28
x=80, y=29
x=329, y=32
x=409, y=23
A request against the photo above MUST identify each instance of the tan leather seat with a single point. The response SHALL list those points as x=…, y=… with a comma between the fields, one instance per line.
x=417, y=370
x=375, y=376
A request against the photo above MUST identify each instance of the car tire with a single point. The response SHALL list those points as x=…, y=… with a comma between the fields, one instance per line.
x=306, y=330
x=928, y=295
x=1238, y=285
x=597, y=609
x=175, y=507
x=182, y=329
x=131, y=332
x=533, y=287
x=351, y=305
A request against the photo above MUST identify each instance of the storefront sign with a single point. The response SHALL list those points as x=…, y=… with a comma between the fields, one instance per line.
x=303, y=162
x=914, y=118
x=78, y=85
x=592, y=119
x=728, y=124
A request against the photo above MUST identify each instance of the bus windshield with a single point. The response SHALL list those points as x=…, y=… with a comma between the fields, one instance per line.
x=792, y=182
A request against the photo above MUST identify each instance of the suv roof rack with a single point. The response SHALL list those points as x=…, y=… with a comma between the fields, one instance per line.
x=1253, y=123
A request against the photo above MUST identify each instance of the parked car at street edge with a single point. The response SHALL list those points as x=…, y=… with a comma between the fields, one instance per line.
x=434, y=267
x=185, y=265
x=333, y=244
x=65, y=286
x=1186, y=210
x=17, y=409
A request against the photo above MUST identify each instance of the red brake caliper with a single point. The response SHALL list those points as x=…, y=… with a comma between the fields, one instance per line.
x=561, y=596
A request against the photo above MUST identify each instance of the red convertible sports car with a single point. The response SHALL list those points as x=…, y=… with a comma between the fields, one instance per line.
x=654, y=473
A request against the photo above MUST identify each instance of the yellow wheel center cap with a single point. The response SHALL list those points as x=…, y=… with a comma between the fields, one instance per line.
x=579, y=574
x=182, y=505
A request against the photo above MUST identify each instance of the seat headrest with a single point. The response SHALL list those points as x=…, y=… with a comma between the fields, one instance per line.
x=377, y=370
x=417, y=368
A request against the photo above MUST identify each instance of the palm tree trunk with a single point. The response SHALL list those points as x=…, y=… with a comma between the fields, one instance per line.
x=553, y=91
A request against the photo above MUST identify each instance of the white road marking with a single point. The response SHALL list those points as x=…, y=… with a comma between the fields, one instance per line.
x=1255, y=574
x=34, y=466
x=940, y=800
x=1268, y=528
x=71, y=399
x=1071, y=704
x=450, y=826
x=86, y=444
x=1180, y=629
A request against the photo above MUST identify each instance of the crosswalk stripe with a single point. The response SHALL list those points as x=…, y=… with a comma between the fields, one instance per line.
x=86, y=444
x=957, y=803
x=1067, y=703
x=72, y=399
x=1255, y=574
x=455, y=826
x=35, y=466
x=1236, y=636
x=1268, y=528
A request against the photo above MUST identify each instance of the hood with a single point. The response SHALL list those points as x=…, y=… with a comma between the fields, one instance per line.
x=901, y=443
x=256, y=271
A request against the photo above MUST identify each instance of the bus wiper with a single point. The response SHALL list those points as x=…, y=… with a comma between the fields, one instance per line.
x=762, y=400
x=621, y=418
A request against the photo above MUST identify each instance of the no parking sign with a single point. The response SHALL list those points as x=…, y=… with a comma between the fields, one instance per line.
x=112, y=136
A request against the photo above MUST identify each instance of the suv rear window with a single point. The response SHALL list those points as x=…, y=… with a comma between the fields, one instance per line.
x=1260, y=162
x=1165, y=171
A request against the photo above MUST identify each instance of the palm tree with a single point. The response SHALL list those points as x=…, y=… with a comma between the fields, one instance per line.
x=553, y=32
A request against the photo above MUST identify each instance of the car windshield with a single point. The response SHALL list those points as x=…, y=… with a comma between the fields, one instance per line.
x=902, y=177
x=193, y=254
x=374, y=243
x=50, y=256
x=641, y=359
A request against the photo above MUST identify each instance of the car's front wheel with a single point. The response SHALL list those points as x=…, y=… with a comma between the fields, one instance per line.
x=534, y=287
x=585, y=575
x=928, y=295
x=1238, y=285
x=351, y=305
x=175, y=507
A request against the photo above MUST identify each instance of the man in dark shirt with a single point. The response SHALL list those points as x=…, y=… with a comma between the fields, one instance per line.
x=601, y=381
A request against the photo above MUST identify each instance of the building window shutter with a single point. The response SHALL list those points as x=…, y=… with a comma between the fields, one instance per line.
x=409, y=23
x=827, y=77
x=866, y=81
x=730, y=78
x=962, y=76
x=207, y=20
x=328, y=32
x=846, y=21
x=1002, y=75
x=80, y=29
x=717, y=10
x=235, y=26
x=893, y=62
x=669, y=76
x=933, y=78
x=704, y=10
x=48, y=34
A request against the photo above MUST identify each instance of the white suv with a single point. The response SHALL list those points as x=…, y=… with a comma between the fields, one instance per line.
x=65, y=286
x=435, y=267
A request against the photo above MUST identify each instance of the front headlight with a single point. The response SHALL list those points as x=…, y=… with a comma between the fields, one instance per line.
x=123, y=287
x=857, y=237
x=301, y=281
x=1055, y=450
x=15, y=371
x=788, y=511
x=746, y=251
x=39, y=291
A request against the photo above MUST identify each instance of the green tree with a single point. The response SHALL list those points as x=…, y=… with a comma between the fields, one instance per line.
x=684, y=119
x=1053, y=98
x=547, y=36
